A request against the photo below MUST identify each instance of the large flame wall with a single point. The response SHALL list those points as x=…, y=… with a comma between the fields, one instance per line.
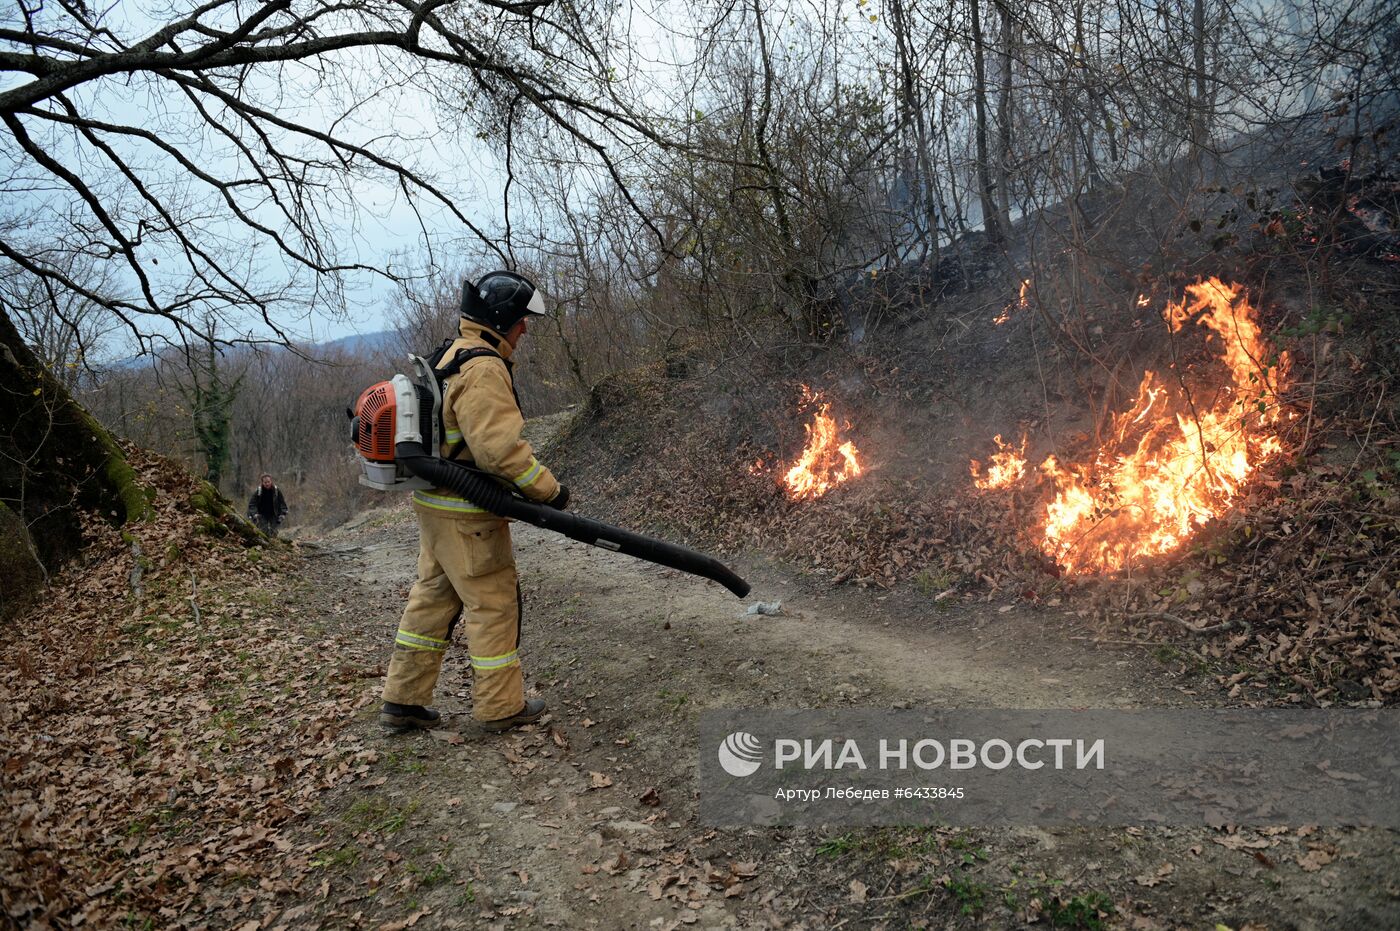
x=1176, y=458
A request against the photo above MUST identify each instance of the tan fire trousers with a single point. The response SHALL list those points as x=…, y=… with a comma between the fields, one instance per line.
x=461, y=563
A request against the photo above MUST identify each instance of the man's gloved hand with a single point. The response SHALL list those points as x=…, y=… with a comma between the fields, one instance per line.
x=561, y=498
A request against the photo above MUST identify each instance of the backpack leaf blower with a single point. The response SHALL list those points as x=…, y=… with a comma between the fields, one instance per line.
x=396, y=429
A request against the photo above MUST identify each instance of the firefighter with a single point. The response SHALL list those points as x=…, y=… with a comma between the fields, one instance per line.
x=465, y=559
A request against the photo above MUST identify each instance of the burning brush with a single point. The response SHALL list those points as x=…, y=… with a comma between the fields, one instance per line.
x=1004, y=469
x=1176, y=458
x=826, y=461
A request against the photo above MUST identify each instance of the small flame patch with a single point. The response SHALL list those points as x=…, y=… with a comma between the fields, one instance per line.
x=1004, y=468
x=1020, y=304
x=826, y=461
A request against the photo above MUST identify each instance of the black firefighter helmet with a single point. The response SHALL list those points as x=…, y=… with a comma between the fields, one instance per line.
x=500, y=300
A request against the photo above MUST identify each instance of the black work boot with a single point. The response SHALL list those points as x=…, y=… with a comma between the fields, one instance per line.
x=405, y=717
x=532, y=712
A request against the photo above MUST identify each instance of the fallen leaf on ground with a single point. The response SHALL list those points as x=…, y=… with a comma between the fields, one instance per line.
x=1240, y=842
x=408, y=922
x=1152, y=879
x=1315, y=860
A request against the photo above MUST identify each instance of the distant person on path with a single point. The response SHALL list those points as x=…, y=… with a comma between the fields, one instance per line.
x=267, y=508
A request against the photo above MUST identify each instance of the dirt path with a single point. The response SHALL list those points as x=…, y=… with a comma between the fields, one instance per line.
x=590, y=819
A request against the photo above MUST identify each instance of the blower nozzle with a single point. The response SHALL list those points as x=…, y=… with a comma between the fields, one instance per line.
x=485, y=492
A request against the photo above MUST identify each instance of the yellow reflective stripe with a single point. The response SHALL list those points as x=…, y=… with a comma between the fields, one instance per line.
x=419, y=642
x=409, y=633
x=453, y=435
x=527, y=478
x=496, y=662
x=410, y=645
x=444, y=503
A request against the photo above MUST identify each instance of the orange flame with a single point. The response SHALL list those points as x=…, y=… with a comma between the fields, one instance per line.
x=824, y=463
x=1178, y=457
x=1021, y=303
x=1004, y=468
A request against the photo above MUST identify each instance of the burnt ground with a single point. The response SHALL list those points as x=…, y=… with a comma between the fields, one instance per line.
x=590, y=818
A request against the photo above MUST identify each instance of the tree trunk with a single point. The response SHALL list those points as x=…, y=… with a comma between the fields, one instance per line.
x=979, y=95
x=921, y=175
x=211, y=405
x=1008, y=41
x=56, y=461
x=1088, y=107
x=1200, y=102
x=813, y=318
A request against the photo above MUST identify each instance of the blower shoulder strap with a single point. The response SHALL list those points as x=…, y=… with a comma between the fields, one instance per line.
x=466, y=355
x=462, y=357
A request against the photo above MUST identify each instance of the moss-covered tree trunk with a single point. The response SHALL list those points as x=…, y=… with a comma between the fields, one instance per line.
x=210, y=396
x=56, y=461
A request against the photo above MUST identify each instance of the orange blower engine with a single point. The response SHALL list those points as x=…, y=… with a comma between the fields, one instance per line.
x=400, y=410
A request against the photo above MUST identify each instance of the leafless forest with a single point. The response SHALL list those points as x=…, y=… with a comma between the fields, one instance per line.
x=732, y=177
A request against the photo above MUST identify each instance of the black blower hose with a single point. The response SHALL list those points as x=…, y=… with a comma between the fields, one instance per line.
x=486, y=493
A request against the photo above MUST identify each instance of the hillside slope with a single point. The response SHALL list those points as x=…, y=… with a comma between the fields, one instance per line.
x=1296, y=582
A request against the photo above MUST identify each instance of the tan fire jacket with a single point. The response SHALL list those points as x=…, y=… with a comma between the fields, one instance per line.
x=479, y=409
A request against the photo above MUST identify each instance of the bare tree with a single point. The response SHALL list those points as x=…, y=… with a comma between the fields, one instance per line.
x=427, y=313
x=226, y=75
x=985, y=192
x=208, y=161
x=211, y=391
x=65, y=330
